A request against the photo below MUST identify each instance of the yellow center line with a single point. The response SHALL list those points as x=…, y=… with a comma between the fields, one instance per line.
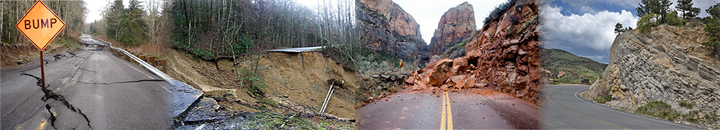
x=42, y=124
x=583, y=115
x=449, y=109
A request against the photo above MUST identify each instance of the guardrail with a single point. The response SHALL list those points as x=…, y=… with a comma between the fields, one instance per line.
x=141, y=62
x=183, y=96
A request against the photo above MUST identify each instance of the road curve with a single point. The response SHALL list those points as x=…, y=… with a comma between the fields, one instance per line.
x=414, y=110
x=563, y=108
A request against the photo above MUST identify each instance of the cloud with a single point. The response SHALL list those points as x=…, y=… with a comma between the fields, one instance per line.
x=587, y=35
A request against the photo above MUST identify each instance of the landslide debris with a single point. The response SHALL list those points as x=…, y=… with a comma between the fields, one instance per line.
x=667, y=64
x=292, y=84
x=503, y=55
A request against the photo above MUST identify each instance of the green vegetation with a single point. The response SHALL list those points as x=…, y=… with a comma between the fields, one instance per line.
x=648, y=21
x=660, y=7
x=576, y=68
x=712, y=26
x=686, y=8
x=658, y=109
x=603, y=100
x=685, y=104
x=126, y=25
x=251, y=83
x=619, y=29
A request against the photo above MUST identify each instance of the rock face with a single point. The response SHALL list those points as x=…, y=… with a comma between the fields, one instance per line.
x=456, y=25
x=503, y=55
x=387, y=28
x=667, y=64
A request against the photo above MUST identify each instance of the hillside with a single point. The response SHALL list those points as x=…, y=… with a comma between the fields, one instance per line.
x=668, y=67
x=576, y=68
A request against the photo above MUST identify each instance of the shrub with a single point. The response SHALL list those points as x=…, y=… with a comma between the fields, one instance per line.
x=658, y=109
x=673, y=19
x=648, y=21
x=499, y=9
x=685, y=104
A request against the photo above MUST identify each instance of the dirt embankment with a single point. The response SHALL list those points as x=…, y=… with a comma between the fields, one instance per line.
x=17, y=55
x=294, y=82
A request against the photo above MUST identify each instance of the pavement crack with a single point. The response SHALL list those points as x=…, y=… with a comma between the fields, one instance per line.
x=67, y=104
x=52, y=116
x=122, y=82
x=87, y=70
x=39, y=81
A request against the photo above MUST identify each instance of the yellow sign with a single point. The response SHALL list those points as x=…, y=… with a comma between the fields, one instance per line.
x=40, y=25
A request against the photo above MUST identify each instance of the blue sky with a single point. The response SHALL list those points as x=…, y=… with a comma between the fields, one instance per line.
x=586, y=27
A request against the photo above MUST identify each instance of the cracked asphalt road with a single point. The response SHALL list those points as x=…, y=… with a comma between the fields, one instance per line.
x=110, y=92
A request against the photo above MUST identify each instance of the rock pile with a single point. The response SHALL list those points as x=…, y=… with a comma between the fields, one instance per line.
x=503, y=55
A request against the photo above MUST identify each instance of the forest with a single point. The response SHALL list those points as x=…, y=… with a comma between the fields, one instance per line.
x=71, y=12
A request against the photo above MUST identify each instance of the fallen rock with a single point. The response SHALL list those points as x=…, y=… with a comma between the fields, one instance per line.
x=440, y=72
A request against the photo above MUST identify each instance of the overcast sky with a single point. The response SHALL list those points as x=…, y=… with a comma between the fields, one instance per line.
x=427, y=13
x=586, y=27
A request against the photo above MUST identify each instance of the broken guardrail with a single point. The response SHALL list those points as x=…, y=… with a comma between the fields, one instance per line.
x=183, y=96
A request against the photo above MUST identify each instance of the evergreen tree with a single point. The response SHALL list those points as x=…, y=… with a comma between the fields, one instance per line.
x=660, y=7
x=619, y=28
x=112, y=15
x=712, y=27
x=686, y=9
x=132, y=29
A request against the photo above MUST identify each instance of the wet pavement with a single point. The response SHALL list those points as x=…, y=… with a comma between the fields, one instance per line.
x=92, y=90
x=414, y=110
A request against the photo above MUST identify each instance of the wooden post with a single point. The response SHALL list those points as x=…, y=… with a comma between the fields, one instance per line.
x=151, y=59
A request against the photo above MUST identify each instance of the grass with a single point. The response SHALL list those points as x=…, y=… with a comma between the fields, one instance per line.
x=686, y=104
x=658, y=109
x=603, y=100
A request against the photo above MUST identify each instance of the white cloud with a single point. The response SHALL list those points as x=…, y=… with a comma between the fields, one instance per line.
x=587, y=34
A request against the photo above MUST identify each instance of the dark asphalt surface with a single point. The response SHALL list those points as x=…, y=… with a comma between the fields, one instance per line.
x=562, y=108
x=110, y=92
x=424, y=111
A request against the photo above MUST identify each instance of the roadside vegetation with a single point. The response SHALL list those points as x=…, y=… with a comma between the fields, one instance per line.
x=656, y=12
x=664, y=111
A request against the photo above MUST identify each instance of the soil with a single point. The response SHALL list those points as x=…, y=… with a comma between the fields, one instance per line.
x=18, y=55
x=295, y=82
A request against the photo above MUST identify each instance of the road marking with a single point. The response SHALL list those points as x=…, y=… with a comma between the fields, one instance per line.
x=583, y=115
x=446, y=113
x=42, y=124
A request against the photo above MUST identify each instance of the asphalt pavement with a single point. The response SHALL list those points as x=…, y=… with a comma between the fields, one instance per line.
x=414, y=110
x=93, y=90
x=563, y=108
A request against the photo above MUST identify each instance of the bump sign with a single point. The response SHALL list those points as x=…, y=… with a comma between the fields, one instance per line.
x=40, y=25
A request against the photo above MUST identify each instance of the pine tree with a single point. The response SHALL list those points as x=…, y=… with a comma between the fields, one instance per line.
x=619, y=28
x=112, y=15
x=659, y=7
x=685, y=7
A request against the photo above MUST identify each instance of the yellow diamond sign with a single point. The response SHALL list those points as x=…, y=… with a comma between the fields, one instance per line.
x=40, y=25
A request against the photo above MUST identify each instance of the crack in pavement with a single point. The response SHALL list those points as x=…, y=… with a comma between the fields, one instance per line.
x=50, y=95
x=122, y=82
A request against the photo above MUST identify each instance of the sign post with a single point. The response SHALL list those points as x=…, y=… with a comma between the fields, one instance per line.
x=40, y=25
